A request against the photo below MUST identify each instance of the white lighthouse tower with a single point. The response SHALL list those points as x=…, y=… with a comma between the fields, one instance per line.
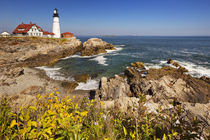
x=56, y=24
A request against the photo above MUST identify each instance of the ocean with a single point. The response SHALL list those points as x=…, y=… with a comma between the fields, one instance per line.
x=191, y=52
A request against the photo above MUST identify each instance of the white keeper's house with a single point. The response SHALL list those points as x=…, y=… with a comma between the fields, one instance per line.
x=31, y=30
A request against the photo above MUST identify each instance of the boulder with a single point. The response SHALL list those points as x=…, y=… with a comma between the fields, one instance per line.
x=170, y=61
x=82, y=77
x=177, y=65
x=206, y=79
x=95, y=46
x=124, y=104
x=139, y=65
x=113, y=88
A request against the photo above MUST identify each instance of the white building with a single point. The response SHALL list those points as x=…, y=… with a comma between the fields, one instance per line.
x=56, y=24
x=31, y=30
x=35, y=30
x=4, y=34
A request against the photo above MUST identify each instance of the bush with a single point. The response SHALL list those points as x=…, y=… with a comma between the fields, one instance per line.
x=52, y=117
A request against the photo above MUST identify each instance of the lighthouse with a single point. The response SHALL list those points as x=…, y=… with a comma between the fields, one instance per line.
x=56, y=24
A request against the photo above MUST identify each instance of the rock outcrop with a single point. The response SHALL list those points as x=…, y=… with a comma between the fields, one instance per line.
x=166, y=87
x=115, y=92
x=177, y=65
x=139, y=65
x=167, y=84
x=25, y=51
x=82, y=78
x=114, y=88
x=17, y=54
x=95, y=46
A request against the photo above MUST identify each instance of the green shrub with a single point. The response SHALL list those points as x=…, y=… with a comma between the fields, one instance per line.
x=60, y=118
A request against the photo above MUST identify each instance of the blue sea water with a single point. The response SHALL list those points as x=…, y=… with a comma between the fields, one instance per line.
x=191, y=52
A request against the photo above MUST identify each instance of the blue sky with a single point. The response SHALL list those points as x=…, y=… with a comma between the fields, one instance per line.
x=112, y=17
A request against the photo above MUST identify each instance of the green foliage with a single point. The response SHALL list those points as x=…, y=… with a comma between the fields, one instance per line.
x=60, y=118
x=6, y=116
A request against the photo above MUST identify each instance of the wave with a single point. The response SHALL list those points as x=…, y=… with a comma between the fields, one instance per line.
x=54, y=73
x=116, y=50
x=101, y=60
x=92, y=56
x=155, y=66
x=78, y=56
x=119, y=45
x=195, y=70
x=192, y=52
x=90, y=85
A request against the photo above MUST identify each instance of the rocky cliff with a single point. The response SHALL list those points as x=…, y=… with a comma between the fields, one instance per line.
x=95, y=46
x=25, y=51
x=165, y=87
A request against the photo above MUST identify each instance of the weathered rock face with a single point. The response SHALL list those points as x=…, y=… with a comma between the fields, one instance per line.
x=206, y=79
x=82, y=77
x=68, y=86
x=114, y=88
x=168, y=84
x=32, y=52
x=95, y=46
x=116, y=93
x=139, y=65
x=125, y=104
x=165, y=87
x=7, y=75
x=177, y=65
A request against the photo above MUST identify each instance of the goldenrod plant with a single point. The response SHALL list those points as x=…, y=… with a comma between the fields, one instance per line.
x=61, y=118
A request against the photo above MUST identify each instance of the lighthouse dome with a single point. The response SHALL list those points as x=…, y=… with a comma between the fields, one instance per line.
x=55, y=13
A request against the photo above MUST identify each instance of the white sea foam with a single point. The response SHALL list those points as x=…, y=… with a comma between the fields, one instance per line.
x=116, y=49
x=155, y=66
x=90, y=85
x=190, y=52
x=78, y=56
x=163, y=62
x=101, y=60
x=195, y=70
x=108, y=51
x=54, y=73
x=119, y=45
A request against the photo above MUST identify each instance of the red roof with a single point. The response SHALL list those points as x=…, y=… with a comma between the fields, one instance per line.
x=25, y=28
x=67, y=33
x=52, y=33
x=48, y=33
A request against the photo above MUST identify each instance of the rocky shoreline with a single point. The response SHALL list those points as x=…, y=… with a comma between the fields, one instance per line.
x=19, y=79
x=165, y=87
